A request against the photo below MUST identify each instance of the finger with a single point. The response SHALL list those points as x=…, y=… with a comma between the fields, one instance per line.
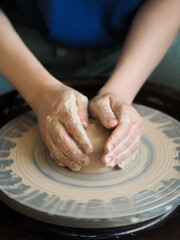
x=78, y=133
x=127, y=155
x=125, y=162
x=100, y=108
x=127, y=117
x=123, y=114
x=82, y=104
x=67, y=145
x=57, y=161
x=59, y=156
x=124, y=144
x=127, y=113
x=73, y=124
x=117, y=136
x=68, y=163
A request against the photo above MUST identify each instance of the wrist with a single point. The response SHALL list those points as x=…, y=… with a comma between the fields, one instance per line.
x=43, y=92
x=120, y=91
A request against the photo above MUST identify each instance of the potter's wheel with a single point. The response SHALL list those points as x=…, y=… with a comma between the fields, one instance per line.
x=147, y=189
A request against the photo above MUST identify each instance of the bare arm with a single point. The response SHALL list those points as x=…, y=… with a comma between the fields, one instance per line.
x=62, y=111
x=19, y=66
x=152, y=32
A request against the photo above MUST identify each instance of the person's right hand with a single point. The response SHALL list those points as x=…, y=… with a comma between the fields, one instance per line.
x=62, y=119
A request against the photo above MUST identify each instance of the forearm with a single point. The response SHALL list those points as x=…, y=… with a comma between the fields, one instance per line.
x=152, y=32
x=19, y=66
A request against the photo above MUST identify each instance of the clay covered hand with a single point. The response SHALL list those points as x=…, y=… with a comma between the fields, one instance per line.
x=122, y=145
x=62, y=121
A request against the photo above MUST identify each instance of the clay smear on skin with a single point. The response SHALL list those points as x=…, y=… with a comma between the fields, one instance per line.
x=103, y=108
x=49, y=119
x=83, y=98
x=124, y=162
x=123, y=116
x=71, y=108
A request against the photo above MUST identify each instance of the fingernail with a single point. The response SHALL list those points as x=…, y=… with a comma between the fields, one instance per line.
x=109, y=147
x=84, y=124
x=74, y=166
x=123, y=163
x=113, y=123
x=112, y=164
x=84, y=161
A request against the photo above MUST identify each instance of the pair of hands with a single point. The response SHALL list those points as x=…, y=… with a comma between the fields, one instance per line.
x=63, y=119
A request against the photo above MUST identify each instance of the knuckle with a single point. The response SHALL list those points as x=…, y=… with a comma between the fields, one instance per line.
x=74, y=167
x=58, y=109
x=83, y=98
x=72, y=127
x=57, y=134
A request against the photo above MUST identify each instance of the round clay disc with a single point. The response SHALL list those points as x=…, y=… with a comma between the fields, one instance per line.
x=95, y=197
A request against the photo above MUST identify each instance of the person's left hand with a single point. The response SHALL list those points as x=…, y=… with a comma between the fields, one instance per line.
x=122, y=145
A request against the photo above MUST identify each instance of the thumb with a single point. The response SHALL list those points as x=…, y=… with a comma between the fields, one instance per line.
x=100, y=108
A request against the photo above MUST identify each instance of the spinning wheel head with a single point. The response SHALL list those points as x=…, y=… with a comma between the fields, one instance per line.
x=96, y=196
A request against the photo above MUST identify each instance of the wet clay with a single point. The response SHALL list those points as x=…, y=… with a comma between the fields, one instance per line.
x=30, y=141
x=98, y=135
x=145, y=189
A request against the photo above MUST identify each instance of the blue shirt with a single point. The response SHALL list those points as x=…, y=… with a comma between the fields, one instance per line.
x=81, y=23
